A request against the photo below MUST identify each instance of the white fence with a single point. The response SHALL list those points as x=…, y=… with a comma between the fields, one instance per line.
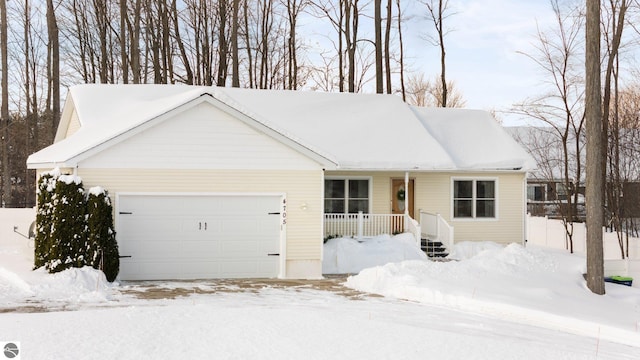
x=551, y=233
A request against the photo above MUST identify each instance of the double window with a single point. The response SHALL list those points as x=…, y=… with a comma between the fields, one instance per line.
x=346, y=196
x=474, y=198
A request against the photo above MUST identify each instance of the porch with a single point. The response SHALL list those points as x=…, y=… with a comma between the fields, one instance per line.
x=432, y=233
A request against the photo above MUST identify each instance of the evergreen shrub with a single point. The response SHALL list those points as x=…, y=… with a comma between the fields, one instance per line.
x=102, y=236
x=74, y=228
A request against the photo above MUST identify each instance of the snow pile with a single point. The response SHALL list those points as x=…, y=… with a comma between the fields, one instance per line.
x=20, y=284
x=84, y=285
x=349, y=256
x=530, y=285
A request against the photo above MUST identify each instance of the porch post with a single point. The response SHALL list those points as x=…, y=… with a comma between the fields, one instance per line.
x=360, y=222
x=406, y=200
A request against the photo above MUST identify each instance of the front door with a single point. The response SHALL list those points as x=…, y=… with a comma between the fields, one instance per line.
x=400, y=195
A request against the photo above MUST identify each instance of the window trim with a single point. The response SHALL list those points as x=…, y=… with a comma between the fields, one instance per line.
x=346, y=203
x=474, y=198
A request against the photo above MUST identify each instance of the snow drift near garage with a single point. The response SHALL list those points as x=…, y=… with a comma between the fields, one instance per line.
x=347, y=255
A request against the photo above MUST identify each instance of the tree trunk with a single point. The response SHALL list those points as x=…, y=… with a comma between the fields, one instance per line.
x=123, y=41
x=4, y=107
x=52, y=30
x=594, y=186
x=134, y=41
x=377, y=19
x=100, y=7
x=387, y=54
x=443, y=77
x=235, y=58
x=222, y=43
x=183, y=52
x=248, y=45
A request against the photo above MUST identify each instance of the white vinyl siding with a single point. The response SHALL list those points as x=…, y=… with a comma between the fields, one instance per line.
x=74, y=125
x=202, y=137
x=433, y=193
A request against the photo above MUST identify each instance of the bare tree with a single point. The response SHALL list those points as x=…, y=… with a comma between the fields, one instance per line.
x=294, y=8
x=613, y=20
x=222, y=43
x=134, y=36
x=593, y=114
x=188, y=76
x=562, y=107
x=437, y=13
x=402, y=83
x=422, y=92
x=417, y=88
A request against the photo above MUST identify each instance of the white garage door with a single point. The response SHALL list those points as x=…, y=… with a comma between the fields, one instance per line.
x=197, y=237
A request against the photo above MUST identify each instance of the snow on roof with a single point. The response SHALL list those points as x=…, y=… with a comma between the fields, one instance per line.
x=474, y=139
x=361, y=131
x=354, y=131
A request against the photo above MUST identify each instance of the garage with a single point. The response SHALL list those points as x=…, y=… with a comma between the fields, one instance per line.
x=199, y=236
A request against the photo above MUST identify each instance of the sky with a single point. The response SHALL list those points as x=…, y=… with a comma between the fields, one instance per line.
x=485, y=50
x=483, y=47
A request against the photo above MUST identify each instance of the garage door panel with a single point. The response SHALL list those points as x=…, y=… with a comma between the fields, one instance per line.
x=199, y=249
x=189, y=237
x=240, y=248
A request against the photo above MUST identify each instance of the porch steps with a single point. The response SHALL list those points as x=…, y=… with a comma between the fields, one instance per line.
x=433, y=249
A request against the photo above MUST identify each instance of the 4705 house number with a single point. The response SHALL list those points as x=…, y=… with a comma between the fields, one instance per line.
x=284, y=211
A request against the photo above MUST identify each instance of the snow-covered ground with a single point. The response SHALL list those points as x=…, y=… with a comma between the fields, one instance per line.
x=494, y=302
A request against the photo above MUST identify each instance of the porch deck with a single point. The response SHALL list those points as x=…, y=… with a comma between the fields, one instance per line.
x=432, y=233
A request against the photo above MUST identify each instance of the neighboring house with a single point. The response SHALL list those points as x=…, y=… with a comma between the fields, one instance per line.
x=545, y=197
x=214, y=182
x=547, y=190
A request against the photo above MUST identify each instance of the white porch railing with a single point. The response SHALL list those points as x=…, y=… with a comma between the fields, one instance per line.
x=435, y=228
x=414, y=227
x=363, y=225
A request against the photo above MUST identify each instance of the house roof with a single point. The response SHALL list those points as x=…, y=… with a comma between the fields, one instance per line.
x=348, y=131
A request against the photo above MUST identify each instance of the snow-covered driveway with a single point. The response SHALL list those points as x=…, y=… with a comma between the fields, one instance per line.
x=288, y=323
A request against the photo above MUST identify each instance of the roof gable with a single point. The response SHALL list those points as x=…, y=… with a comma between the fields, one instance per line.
x=338, y=130
x=201, y=137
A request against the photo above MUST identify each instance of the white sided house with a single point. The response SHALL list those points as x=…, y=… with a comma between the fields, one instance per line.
x=212, y=182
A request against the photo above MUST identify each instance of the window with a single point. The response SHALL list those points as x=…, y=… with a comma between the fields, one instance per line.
x=474, y=198
x=561, y=191
x=346, y=196
x=536, y=192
